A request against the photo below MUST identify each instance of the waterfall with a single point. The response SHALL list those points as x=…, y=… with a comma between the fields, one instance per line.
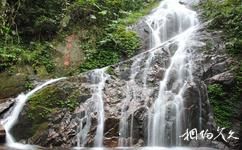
x=171, y=27
x=124, y=125
x=168, y=20
x=170, y=23
x=98, y=96
x=11, y=120
x=97, y=78
x=165, y=118
x=165, y=121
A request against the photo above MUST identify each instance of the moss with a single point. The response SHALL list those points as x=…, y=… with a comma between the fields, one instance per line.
x=225, y=102
x=39, y=129
x=110, y=70
x=216, y=94
x=11, y=85
x=49, y=100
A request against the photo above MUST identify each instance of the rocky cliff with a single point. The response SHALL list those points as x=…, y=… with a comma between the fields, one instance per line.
x=59, y=127
x=69, y=112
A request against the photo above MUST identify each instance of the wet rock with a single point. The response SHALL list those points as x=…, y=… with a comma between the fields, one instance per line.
x=111, y=142
x=144, y=33
x=6, y=105
x=111, y=127
x=65, y=128
x=2, y=134
x=225, y=78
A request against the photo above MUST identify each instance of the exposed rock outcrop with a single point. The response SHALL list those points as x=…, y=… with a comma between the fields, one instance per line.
x=63, y=127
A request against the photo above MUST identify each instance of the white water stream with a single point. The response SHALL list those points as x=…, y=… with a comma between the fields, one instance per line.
x=171, y=21
x=98, y=78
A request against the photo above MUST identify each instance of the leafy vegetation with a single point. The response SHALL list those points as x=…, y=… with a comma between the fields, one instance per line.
x=36, y=54
x=95, y=12
x=222, y=112
x=28, y=27
x=226, y=16
x=115, y=42
x=225, y=104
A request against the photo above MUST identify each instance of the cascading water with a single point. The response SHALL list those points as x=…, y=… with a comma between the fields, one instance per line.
x=10, y=121
x=174, y=22
x=165, y=120
x=98, y=96
x=168, y=20
x=124, y=125
x=98, y=78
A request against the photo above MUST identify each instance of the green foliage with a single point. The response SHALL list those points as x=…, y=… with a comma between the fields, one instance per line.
x=121, y=40
x=99, y=59
x=36, y=55
x=28, y=85
x=41, y=55
x=127, y=42
x=133, y=17
x=224, y=103
x=221, y=107
x=226, y=16
x=38, y=19
x=26, y=26
x=9, y=56
x=5, y=30
x=115, y=41
x=95, y=12
x=216, y=90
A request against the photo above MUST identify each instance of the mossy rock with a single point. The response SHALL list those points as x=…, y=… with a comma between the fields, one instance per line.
x=41, y=107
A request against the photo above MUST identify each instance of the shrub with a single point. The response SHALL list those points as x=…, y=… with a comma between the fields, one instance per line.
x=226, y=16
x=121, y=40
x=99, y=59
x=221, y=107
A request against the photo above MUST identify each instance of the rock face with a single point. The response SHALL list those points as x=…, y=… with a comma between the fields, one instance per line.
x=143, y=31
x=213, y=66
x=128, y=92
x=5, y=106
x=124, y=96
